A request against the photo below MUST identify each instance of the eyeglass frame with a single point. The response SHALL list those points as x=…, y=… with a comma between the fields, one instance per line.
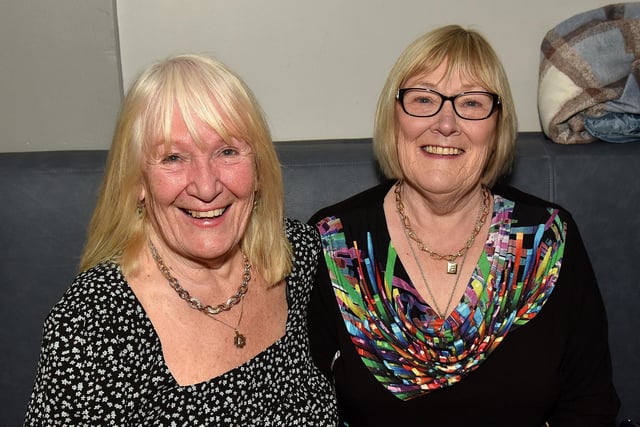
x=496, y=101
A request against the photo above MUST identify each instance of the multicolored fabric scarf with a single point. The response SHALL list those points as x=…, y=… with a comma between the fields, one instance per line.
x=402, y=341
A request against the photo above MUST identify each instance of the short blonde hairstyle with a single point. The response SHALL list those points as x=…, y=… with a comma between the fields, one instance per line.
x=465, y=52
x=200, y=89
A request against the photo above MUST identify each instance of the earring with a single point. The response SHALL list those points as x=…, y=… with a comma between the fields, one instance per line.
x=140, y=208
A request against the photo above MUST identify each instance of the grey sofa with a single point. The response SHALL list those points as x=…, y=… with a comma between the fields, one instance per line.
x=47, y=198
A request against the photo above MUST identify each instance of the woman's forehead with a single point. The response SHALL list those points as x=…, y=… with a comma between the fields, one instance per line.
x=443, y=76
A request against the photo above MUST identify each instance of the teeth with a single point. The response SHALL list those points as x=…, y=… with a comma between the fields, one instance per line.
x=208, y=214
x=442, y=151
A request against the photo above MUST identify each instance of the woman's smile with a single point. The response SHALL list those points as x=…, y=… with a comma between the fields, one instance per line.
x=205, y=214
x=442, y=151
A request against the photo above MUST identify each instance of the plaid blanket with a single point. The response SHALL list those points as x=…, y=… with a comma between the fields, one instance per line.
x=590, y=68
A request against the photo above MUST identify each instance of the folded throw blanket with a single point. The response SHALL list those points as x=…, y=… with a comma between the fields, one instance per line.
x=590, y=69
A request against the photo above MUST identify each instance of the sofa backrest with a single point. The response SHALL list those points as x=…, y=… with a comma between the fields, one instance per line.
x=47, y=198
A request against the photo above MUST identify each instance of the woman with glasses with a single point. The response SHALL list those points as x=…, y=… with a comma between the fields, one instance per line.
x=448, y=300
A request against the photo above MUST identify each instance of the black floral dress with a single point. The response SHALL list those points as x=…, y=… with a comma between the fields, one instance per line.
x=102, y=363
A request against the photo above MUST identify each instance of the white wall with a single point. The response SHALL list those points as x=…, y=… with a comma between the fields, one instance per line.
x=317, y=66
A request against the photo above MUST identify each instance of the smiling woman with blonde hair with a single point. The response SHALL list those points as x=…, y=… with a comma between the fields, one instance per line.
x=190, y=307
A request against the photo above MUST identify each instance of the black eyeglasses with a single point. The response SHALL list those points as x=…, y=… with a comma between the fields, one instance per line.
x=474, y=105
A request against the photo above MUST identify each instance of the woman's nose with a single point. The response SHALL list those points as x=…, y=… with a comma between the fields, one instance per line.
x=204, y=180
x=446, y=120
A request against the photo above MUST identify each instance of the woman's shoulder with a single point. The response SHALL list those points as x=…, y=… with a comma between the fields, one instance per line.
x=300, y=235
x=100, y=314
x=101, y=281
x=95, y=295
x=296, y=228
x=306, y=248
x=356, y=206
x=303, y=238
x=530, y=208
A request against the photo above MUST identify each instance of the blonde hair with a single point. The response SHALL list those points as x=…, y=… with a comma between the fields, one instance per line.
x=200, y=89
x=465, y=52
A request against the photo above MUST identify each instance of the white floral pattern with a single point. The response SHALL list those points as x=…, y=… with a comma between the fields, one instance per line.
x=101, y=363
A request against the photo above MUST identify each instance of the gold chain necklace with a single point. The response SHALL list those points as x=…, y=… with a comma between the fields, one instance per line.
x=239, y=340
x=452, y=266
x=440, y=313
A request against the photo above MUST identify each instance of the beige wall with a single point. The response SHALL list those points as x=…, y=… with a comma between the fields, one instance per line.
x=59, y=74
x=316, y=66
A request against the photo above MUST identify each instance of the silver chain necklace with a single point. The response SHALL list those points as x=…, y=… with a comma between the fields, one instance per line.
x=239, y=340
x=452, y=266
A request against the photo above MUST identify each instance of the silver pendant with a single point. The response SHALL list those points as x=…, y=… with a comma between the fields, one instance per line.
x=452, y=267
x=239, y=340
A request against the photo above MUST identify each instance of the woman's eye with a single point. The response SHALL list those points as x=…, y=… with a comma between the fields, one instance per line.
x=171, y=158
x=422, y=99
x=229, y=152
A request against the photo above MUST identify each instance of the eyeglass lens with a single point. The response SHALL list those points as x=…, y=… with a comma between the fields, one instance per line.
x=425, y=103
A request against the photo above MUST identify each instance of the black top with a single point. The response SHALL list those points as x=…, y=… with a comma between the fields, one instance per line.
x=102, y=363
x=555, y=368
